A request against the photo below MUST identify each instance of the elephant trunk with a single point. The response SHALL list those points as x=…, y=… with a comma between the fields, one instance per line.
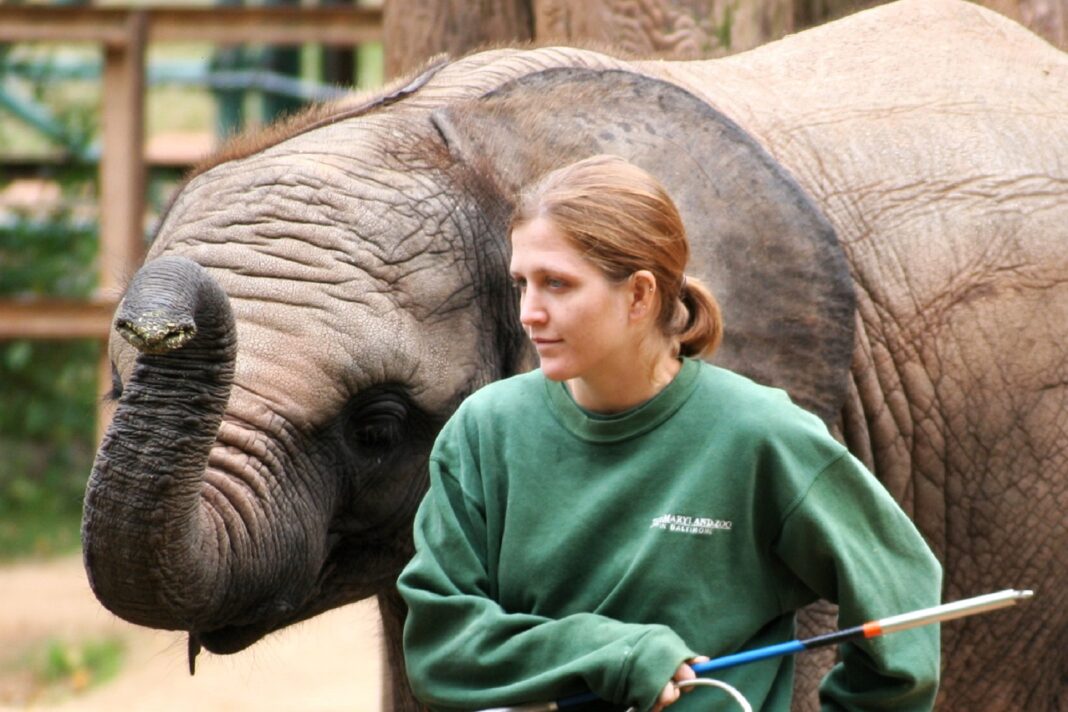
x=155, y=551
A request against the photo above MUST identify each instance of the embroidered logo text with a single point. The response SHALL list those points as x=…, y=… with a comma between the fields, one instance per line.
x=690, y=525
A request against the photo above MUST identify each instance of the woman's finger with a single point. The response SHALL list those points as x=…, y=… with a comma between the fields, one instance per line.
x=684, y=673
x=668, y=695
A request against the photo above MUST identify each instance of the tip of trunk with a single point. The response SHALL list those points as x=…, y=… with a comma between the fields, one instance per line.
x=155, y=333
x=158, y=313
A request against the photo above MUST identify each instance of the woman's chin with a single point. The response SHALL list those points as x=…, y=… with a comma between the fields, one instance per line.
x=556, y=371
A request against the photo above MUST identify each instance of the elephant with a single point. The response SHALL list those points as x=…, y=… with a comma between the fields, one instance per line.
x=880, y=205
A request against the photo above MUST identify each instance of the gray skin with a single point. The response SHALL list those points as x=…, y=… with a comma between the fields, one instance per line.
x=888, y=239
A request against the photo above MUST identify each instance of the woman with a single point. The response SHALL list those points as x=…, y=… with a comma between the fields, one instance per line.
x=597, y=523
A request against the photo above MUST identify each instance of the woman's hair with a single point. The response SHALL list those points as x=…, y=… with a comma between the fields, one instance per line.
x=622, y=220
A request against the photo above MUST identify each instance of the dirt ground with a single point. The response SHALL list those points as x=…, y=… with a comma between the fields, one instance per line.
x=326, y=664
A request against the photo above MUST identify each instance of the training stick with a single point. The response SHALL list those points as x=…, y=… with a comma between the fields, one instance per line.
x=924, y=616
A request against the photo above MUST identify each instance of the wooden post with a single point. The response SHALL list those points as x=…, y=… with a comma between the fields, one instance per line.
x=122, y=171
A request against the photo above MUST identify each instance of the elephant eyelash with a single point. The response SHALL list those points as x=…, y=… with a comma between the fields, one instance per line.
x=378, y=419
x=113, y=394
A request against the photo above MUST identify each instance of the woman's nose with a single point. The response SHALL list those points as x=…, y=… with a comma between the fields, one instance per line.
x=530, y=309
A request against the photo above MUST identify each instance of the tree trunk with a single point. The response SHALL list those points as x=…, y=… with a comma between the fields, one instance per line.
x=415, y=30
x=809, y=13
x=669, y=29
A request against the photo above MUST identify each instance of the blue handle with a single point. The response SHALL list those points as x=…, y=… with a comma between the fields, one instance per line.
x=771, y=651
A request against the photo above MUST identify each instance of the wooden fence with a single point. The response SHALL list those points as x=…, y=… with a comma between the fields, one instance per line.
x=124, y=34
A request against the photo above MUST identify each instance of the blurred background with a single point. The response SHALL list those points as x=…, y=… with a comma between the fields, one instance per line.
x=104, y=107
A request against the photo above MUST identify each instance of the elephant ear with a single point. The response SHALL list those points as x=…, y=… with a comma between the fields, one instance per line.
x=770, y=257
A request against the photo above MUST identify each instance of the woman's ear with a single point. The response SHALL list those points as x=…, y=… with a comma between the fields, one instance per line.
x=643, y=294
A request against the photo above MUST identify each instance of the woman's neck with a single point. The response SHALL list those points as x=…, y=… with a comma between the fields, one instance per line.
x=619, y=389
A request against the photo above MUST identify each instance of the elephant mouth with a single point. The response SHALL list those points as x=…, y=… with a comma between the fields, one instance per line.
x=235, y=637
x=228, y=639
x=336, y=586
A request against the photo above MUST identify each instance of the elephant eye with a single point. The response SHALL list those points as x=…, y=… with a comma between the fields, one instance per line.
x=377, y=423
x=379, y=433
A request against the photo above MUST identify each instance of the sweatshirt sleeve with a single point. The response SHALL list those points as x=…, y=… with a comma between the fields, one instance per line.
x=464, y=651
x=850, y=543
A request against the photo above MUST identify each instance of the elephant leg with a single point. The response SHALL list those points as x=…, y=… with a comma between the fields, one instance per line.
x=817, y=619
x=396, y=694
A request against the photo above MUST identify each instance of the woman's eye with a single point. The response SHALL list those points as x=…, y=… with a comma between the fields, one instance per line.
x=553, y=283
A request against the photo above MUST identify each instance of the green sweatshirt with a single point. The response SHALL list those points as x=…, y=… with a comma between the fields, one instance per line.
x=558, y=550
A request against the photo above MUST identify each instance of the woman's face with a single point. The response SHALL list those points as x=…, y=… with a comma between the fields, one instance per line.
x=579, y=321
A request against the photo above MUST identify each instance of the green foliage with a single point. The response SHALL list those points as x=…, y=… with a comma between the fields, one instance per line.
x=44, y=115
x=47, y=416
x=47, y=256
x=49, y=671
x=93, y=661
x=48, y=388
x=48, y=400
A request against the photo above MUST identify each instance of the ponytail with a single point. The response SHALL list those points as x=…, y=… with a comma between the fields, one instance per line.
x=701, y=324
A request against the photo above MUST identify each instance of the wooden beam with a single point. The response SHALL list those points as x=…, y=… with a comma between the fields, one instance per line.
x=55, y=319
x=53, y=24
x=122, y=168
x=277, y=25
x=327, y=25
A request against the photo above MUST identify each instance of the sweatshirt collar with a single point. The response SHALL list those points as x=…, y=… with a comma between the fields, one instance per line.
x=595, y=427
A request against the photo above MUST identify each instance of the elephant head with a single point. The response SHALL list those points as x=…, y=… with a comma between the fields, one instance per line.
x=312, y=310
x=307, y=318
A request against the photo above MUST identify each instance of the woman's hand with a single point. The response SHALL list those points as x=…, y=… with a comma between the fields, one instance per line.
x=671, y=691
